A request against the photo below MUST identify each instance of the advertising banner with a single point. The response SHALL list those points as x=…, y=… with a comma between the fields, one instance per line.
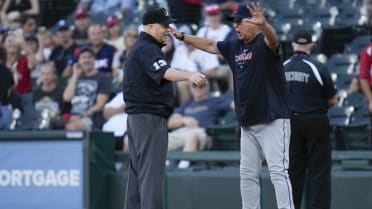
x=41, y=174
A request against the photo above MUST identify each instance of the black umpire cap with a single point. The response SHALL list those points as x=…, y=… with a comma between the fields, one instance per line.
x=302, y=37
x=241, y=12
x=157, y=15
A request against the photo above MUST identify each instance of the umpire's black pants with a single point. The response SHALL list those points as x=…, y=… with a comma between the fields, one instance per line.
x=310, y=154
x=148, y=141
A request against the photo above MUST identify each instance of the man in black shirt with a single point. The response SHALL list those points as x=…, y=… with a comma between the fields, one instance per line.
x=64, y=53
x=148, y=95
x=311, y=93
x=6, y=85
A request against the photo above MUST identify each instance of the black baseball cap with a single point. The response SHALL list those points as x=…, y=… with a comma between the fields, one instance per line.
x=157, y=15
x=241, y=12
x=302, y=37
x=62, y=25
x=86, y=48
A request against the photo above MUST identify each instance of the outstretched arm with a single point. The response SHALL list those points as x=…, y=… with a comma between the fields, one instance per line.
x=177, y=75
x=204, y=44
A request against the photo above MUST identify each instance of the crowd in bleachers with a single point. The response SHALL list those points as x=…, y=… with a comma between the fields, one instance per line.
x=44, y=52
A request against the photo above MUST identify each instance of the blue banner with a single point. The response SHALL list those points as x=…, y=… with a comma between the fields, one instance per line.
x=41, y=174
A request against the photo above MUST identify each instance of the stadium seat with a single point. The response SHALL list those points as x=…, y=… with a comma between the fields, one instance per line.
x=225, y=137
x=361, y=115
x=343, y=80
x=348, y=15
x=294, y=16
x=282, y=5
x=356, y=99
x=322, y=58
x=342, y=63
x=333, y=39
x=362, y=110
x=357, y=44
x=340, y=115
x=282, y=29
x=326, y=16
x=352, y=137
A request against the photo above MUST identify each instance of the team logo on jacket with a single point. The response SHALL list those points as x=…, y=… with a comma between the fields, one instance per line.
x=243, y=56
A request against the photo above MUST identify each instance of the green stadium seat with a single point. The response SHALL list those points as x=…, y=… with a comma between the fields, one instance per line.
x=225, y=137
x=353, y=137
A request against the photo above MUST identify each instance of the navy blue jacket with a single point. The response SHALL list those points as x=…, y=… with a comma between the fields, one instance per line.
x=309, y=83
x=260, y=92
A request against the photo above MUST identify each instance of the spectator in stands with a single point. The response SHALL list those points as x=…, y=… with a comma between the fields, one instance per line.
x=192, y=118
x=63, y=54
x=82, y=22
x=11, y=43
x=48, y=96
x=224, y=5
x=104, y=52
x=87, y=90
x=311, y=94
x=188, y=58
x=130, y=37
x=47, y=43
x=12, y=10
x=29, y=7
x=100, y=7
x=216, y=30
x=31, y=47
x=365, y=67
x=116, y=118
x=21, y=65
x=6, y=86
x=11, y=20
x=367, y=6
x=29, y=23
x=114, y=34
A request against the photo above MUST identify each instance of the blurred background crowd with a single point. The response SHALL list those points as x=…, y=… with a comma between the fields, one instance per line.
x=43, y=41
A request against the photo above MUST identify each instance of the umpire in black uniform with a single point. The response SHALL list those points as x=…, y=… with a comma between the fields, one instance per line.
x=148, y=95
x=311, y=93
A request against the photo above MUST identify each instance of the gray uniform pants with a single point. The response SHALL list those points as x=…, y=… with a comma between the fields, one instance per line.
x=148, y=141
x=268, y=141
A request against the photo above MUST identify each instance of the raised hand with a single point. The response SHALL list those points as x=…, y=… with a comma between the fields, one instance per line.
x=257, y=13
x=76, y=70
x=198, y=79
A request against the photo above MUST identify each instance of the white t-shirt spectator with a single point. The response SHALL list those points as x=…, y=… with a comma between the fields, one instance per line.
x=116, y=123
x=196, y=61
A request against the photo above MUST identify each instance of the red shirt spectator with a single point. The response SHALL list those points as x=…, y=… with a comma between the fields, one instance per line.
x=25, y=83
x=365, y=63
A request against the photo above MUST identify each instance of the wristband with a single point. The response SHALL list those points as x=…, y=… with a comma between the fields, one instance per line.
x=182, y=36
